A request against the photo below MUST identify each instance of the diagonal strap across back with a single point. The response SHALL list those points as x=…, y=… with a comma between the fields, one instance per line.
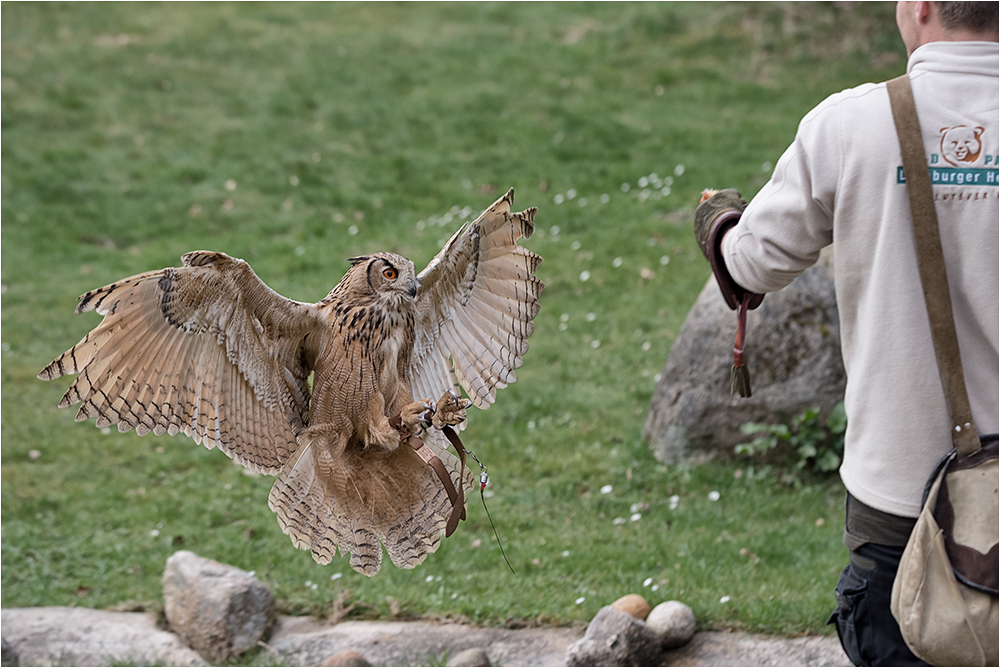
x=930, y=259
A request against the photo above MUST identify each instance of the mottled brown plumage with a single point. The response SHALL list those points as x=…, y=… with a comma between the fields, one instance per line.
x=210, y=351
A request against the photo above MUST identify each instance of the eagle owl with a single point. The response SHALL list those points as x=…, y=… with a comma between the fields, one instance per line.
x=209, y=350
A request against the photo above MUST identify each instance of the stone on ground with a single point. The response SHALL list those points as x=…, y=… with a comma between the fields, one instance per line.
x=475, y=656
x=792, y=352
x=674, y=621
x=616, y=638
x=634, y=605
x=82, y=637
x=218, y=610
x=343, y=658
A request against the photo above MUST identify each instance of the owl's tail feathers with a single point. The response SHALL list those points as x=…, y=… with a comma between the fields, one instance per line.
x=327, y=498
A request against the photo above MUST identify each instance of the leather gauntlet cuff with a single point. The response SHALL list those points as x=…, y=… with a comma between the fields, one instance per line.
x=732, y=291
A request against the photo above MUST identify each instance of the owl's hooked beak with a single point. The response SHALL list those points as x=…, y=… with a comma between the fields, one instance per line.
x=411, y=288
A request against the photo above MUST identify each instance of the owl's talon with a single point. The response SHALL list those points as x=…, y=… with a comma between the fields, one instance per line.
x=450, y=410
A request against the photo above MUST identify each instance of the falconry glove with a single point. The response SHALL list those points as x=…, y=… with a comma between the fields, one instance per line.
x=718, y=212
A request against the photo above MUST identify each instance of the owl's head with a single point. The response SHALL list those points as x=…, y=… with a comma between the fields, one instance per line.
x=385, y=277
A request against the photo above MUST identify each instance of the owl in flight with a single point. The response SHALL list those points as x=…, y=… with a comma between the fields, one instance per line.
x=209, y=350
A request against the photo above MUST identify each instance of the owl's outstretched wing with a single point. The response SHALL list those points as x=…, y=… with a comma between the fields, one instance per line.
x=206, y=349
x=476, y=304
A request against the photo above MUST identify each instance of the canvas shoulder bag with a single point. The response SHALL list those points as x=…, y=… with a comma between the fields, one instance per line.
x=945, y=592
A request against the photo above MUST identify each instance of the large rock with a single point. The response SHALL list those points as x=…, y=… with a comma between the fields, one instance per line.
x=616, y=638
x=81, y=637
x=792, y=352
x=304, y=642
x=220, y=611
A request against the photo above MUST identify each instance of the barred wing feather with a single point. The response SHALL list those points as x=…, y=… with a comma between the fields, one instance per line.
x=476, y=304
x=207, y=350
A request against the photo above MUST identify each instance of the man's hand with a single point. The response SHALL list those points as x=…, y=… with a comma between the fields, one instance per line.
x=718, y=212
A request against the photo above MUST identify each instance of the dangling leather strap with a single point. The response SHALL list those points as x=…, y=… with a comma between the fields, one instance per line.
x=930, y=260
x=457, y=497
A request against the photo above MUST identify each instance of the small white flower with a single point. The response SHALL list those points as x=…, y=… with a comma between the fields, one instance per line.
x=421, y=224
x=617, y=262
x=571, y=193
x=300, y=250
x=585, y=275
x=293, y=180
x=655, y=587
x=674, y=502
x=154, y=533
x=713, y=496
x=309, y=583
x=352, y=230
x=766, y=166
x=664, y=191
x=531, y=424
x=626, y=187
x=605, y=198
x=429, y=578
x=558, y=199
x=664, y=260
x=646, y=345
x=580, y=600
x=230, y=185
x=314, y=587
x=336, y=576
x=643, y=182
x=657, y=377
x=618, y=521
x=252, y=573
x=565, y=553
x=582, y=201
x=591, y=317
x=563, y=326
x=454, y=594
x=596, y=343
x=105, y=430
x=606, y=489
x=724, y=599
x=575, y=245
x=647, y=582
x=679, y=170
x=564, y=317
x=635, y=517
x=554, y=230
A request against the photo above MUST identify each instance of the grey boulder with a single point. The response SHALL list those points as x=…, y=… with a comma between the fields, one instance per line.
x=218, y=610
x=616, y=638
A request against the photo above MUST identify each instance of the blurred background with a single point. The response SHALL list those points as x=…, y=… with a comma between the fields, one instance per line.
x=298, y=135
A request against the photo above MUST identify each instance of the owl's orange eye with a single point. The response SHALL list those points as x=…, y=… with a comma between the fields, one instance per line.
x=389, y=273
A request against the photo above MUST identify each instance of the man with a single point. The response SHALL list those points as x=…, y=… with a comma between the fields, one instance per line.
x=839, y=183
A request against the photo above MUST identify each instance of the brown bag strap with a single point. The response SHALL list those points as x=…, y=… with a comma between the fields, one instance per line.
x=930, y=259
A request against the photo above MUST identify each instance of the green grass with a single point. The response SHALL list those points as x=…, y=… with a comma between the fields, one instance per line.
x=298, y=135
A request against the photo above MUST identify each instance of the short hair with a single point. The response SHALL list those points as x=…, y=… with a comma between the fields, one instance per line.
x=974, y=16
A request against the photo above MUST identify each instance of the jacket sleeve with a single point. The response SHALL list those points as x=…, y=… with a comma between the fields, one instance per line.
x=790, y=220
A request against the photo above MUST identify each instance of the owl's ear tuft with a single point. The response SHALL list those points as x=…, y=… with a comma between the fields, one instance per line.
x=358, y=260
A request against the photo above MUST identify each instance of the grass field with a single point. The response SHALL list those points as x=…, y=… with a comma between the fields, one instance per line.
x=298, y=135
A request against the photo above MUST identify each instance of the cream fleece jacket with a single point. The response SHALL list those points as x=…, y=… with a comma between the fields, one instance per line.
x=839, y=183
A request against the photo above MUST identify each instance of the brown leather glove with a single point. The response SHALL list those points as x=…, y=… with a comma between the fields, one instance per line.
x=718, y=213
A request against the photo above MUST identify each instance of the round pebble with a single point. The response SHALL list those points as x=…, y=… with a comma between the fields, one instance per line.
x=674, y=621
x=634, y=605
x=475, y=656
x=347, y=657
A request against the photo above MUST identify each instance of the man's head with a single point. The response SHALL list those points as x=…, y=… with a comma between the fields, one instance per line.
x=923, y=22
